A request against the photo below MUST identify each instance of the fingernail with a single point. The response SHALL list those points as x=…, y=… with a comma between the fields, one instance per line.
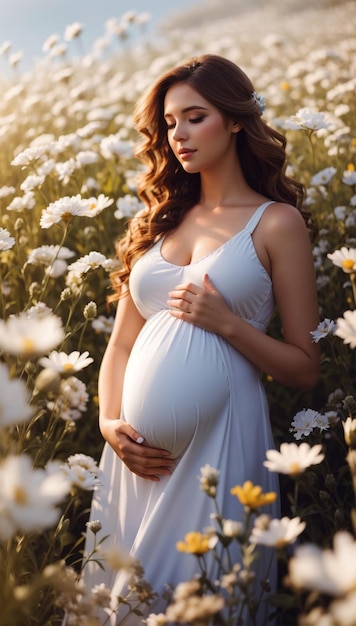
x=140, y=440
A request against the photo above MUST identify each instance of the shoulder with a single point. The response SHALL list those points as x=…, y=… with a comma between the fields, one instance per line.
x=284, y=232
x=282, y=218
x=282, y=224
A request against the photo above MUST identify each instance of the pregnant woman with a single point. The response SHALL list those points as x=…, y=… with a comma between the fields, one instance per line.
x=222, y=242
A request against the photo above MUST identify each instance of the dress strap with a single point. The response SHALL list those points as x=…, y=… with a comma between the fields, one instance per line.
x=253, y=221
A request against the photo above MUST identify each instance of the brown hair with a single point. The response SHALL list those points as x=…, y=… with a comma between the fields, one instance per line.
x=166, y=189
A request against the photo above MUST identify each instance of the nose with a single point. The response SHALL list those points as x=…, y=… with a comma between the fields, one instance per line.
x=179, y=132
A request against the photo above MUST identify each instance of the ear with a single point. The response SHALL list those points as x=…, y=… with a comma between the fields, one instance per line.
x=236, y=127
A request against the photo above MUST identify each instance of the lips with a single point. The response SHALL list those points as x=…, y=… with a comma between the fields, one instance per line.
x=185, y=154
x=182, y=151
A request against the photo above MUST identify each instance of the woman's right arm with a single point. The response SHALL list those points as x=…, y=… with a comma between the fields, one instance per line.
x=141, y=459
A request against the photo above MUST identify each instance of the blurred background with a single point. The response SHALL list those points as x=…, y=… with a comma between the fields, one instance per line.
x=27, y=24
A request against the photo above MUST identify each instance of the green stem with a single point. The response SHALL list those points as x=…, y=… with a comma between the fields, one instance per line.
x=353, y=283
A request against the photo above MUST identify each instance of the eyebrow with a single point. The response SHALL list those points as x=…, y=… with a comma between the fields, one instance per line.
x=194, y=107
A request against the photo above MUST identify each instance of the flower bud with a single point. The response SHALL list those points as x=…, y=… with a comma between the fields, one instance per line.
x=349, y=405
x=94, y=526
x=19, y=224
x=66, y=294
x=350, y=431
x=231, y=528
x=48, y=381
x=90, y=311
x=34, y=290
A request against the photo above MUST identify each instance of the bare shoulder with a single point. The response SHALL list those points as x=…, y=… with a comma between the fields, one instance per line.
x=282, y=218
x=282, y=233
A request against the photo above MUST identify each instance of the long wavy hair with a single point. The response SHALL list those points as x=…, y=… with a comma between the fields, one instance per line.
x=167, y=191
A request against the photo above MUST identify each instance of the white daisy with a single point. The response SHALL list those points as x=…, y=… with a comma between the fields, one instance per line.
x=6, y=241
x=279, y=533
x=6, y=191
x=97, y=205
x=85, y=461
x=346, y=328
x=112, y=145
x=38, y=311
x=66, y=169
x=66, y=363
x=28, y=497
x=327, y=571
x=29, y=337
x=74, y=394
x=79, y=476
x=103, y=324
x=63, y=209
x=349, y=177
x=304, y=422
x=306, y=119
x=344, y=258
x=349, y=426
x=14, y=399
x=31, y=182
x=128, y=206
x=27, y=201
x=46, y=254
x=323, y=329
x=86, y=157
x=323, y=177
x=90, y=261
x=29, y=156
x=293, y=459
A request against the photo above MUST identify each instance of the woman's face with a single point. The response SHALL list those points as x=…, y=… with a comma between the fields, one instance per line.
x=199, y=136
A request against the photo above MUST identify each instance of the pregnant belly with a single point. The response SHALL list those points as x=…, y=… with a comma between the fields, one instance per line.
x=175, y=383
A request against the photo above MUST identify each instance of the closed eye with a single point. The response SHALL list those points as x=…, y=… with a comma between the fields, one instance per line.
x=193, y=120
x=197, y=120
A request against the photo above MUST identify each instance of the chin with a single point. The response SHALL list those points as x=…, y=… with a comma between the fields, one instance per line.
x=190, y=168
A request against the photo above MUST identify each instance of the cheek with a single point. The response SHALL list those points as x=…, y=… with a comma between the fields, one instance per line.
x=213, y=128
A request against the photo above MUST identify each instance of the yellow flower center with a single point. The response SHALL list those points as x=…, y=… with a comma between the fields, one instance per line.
x=67, y=216
x=280, y=543
x=294, y=468
x=20, y=496
x=285, y=85
x=28, y=345
x=348, y=264
x=68, y=367
x=350, y=167
x=92, y=205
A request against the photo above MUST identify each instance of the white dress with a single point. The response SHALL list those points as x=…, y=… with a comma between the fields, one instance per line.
x=189, y=391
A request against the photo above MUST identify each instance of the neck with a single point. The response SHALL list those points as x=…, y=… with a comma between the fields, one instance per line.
x=223, y=186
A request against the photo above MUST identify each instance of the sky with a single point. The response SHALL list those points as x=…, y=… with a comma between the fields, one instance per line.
x=28, y=23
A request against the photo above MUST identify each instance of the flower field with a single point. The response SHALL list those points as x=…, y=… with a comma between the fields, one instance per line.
x=67, y=188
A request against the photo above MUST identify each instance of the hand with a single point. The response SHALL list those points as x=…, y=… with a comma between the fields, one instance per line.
x=146, y=462
x=202, y=306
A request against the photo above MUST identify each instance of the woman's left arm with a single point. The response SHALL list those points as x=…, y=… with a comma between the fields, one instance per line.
x=295, y=360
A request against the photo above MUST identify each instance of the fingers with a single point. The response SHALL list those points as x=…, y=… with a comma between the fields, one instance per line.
x=145, y=461
x=185, y=291
x=131, y=432
x=181, y=304
x=182, y=297
x=208, y=285
x=185, y=296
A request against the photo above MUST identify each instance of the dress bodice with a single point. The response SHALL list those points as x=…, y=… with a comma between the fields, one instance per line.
x=234, y=268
